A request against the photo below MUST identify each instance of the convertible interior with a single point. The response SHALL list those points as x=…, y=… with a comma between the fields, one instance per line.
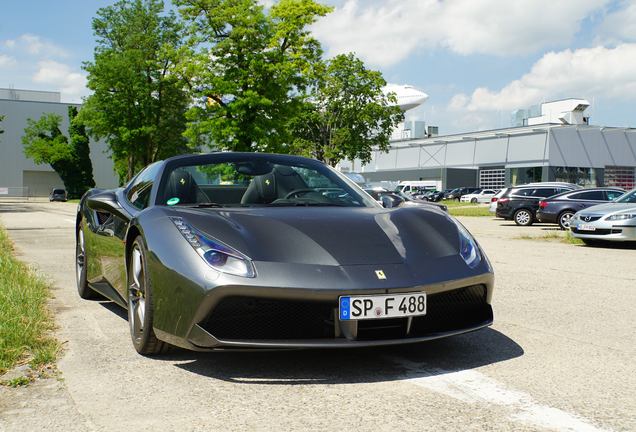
x=281, y=185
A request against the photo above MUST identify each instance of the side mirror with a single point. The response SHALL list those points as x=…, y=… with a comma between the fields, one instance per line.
x=106, y=201
x=387, y=202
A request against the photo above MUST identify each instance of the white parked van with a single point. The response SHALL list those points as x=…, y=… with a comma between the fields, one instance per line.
x=409, y=185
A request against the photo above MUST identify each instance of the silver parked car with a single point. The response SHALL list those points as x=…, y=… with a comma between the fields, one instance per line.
x=615, y=221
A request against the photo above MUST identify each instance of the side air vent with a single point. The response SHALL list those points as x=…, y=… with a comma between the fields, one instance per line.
x=102, y=217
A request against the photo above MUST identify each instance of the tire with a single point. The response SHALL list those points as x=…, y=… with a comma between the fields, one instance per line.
x=140, y=303
x=473, y=200
x=523, y=217
x=564, y=219
x=81, y=262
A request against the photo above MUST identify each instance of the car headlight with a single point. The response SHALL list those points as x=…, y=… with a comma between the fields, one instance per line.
x=621, y=216
x=468, y=248
x=218, y=256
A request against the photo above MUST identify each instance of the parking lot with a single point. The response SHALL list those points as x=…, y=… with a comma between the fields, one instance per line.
x=560, y=355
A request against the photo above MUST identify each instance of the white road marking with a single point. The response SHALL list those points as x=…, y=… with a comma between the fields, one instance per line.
x=473, y=387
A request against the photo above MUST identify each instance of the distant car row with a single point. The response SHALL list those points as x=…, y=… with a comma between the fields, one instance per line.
x=594, y=214
x=390, y=199
x=463, y=194
x=591, y=214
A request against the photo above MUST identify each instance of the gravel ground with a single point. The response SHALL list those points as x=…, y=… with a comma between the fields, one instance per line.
x=559, y=356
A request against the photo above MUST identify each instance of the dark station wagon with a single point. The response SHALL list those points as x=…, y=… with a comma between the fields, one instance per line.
x=560, y=208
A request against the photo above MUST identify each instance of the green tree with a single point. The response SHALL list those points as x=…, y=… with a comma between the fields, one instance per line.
x=346, y=113
x=81, y=153
x=138, y=104
x=247, y=69
x=45, y=143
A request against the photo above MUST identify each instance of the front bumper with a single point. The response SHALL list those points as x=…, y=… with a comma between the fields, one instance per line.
x=604, y=231
x=244, y=317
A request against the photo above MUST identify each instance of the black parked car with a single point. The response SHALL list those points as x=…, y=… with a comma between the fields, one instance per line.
x=560, y=208
x=58, y=194
x=438, y=195
x=521, y=203
x=457, y=193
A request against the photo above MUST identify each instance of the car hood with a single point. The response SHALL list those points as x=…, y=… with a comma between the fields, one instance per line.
x=609, y=208
x=335, y=236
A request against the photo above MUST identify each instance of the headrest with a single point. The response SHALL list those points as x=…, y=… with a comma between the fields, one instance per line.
x=181, y=185
x=266, y=187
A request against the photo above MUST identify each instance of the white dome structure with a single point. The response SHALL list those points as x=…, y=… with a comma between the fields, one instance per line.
x=408, y=97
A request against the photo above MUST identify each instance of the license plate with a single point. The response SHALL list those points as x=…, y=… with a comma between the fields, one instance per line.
x=586, y=227
x=382, y=306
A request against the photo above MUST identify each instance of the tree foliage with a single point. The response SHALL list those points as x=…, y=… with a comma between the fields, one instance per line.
x=82, y=176
x=247, y=69
x=346, y=114
x=231, y=75
x=45, y=143
x=138, y=104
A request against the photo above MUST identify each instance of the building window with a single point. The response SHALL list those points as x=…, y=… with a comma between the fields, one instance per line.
x=585, y=177
x=525, y=175
x=619, y=176
x=492, y=178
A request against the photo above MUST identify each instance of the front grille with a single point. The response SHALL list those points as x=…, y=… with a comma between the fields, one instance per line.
x=587, y=218
x=453, y=310
x=598, y=231
x=256, y=318
x=250, y=318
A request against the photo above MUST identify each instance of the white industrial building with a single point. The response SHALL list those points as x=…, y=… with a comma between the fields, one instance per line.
x=19, y=176
x=553, y=143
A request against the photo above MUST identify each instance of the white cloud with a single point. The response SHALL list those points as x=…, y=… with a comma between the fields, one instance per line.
x=384, y=32
x=586, y=72
x=60, y=76
x=36, y=46
x=7, y=61
x=619, y=25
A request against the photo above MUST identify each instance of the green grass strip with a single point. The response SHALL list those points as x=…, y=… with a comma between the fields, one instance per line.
x=470, y=210
x=558, y=236
x=26, y=323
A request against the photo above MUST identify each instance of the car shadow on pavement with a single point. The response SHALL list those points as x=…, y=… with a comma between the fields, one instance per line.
x=114, y=308
x=344, y=366
x=625, y=245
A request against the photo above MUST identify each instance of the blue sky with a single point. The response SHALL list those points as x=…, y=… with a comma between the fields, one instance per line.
x=476, y=59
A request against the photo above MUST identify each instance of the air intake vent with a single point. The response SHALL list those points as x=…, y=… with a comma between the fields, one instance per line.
x=102, y=217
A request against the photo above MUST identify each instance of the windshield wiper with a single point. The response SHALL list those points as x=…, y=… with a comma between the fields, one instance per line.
x=306, y=204
x=202, y=205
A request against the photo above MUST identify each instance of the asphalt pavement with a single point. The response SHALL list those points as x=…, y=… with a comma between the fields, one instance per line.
x=560, y=355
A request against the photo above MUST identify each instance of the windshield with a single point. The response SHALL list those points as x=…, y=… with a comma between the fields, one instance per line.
x=628, y=198
x=259, y=181
x=58, y=191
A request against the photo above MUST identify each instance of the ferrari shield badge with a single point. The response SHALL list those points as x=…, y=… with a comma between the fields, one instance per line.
x=380, y=274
